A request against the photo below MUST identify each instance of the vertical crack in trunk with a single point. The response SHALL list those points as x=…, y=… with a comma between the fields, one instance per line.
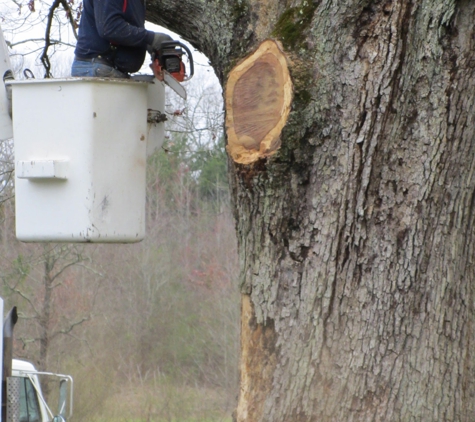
x=258, y=360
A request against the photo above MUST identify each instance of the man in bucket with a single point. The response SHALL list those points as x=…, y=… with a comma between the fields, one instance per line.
x=112, y=39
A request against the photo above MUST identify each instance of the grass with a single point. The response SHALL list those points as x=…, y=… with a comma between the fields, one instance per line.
x=166, y=402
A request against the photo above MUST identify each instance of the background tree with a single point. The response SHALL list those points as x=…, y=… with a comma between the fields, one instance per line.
x=356, y=237
x=38, y=284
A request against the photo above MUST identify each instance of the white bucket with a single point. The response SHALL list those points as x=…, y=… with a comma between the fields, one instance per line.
x=80, y=159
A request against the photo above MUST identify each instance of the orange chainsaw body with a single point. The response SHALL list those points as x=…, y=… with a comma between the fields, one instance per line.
x=158, y=71
x=167, y=61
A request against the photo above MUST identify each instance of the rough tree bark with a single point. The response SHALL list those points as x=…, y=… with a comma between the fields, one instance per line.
x=356, y=238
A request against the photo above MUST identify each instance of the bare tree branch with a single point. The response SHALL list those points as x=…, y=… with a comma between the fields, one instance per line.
x=71, y=326
x=69, y=14
x=48, y=42
x=44, y=57
x=21, y=294
x=52, y=42
x=64, y=268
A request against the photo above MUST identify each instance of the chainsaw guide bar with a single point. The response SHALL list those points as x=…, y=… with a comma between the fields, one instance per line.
x=174, y=84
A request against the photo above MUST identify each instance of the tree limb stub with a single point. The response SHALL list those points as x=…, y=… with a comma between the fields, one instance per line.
x=258, y=99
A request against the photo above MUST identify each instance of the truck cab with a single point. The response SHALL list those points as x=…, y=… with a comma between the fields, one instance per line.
x=27, y=397
x=32, y=408
x=21, y=393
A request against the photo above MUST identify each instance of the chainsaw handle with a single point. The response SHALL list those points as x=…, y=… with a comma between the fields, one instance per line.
x=174, y=43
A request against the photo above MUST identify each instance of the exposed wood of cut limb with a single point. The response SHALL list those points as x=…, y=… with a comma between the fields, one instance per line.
x=258, y=98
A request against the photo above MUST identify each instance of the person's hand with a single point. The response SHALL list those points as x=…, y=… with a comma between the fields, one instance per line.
x=158, y=38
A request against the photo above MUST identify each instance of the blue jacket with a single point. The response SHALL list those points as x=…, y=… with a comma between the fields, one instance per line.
x=114, y=29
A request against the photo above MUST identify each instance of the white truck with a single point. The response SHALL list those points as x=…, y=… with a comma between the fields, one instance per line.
x=22, y=397
x=32, y=405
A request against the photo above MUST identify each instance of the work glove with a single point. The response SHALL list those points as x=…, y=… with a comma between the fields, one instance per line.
x=158, y=38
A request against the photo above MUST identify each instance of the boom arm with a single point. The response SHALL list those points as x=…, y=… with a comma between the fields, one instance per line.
x=6, y=128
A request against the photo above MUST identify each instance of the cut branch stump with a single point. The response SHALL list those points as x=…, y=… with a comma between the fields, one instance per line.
x=258, y=99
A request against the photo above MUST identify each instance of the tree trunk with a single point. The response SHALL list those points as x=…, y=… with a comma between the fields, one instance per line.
x=356, y=236
x=44, y=320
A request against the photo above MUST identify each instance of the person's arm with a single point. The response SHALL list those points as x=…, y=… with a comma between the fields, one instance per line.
x=112, y=26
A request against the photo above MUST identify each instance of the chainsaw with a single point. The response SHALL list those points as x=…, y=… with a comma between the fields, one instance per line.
x=167, y=65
